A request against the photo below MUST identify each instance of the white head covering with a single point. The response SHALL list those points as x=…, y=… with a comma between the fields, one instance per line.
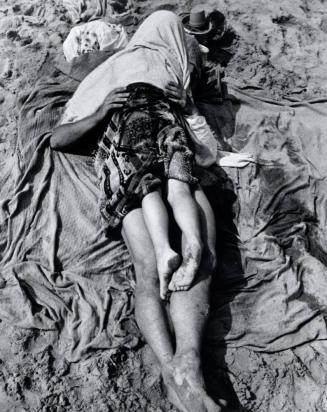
x=156, y=54
x=94, y=35
x=163, y=31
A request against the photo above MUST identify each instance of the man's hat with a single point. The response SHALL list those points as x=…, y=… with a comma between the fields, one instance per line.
x=196, y=22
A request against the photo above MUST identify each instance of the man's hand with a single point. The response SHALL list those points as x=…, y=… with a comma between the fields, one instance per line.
x=67, y=136
x=176, y=94
x=116, y=99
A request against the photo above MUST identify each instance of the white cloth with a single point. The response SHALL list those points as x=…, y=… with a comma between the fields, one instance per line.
x=94, y=35
x=205, y=143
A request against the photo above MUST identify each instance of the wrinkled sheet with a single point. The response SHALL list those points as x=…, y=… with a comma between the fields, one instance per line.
x=88, y=10
x=85, y=10
x=60, y=272
x=270, y=292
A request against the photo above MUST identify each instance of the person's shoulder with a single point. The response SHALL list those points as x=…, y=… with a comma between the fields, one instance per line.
x=191, y=41
x=194, y=51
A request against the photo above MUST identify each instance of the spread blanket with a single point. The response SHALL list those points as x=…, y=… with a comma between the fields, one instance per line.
x=60, y=272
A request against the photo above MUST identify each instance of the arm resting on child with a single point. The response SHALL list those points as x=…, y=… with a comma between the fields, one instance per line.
x=67, y=135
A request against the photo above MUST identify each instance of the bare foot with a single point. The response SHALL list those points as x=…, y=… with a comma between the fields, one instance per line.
x=183, y=278
x=167, y=263
x=184, y=381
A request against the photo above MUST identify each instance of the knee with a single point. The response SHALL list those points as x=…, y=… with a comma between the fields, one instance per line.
x=177, y=191
x=147, y=290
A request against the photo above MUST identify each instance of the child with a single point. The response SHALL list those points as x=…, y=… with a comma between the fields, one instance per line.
x=150, y=148
x=174, y=276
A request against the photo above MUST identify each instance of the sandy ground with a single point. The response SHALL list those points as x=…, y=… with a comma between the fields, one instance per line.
x=278, y=45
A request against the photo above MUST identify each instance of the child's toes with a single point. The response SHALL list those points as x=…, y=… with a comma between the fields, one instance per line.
x=172, y=286
x=180, y=288
x=186, y=286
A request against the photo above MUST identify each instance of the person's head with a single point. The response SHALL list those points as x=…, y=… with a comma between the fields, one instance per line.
x=197, y=24
x=204, y=26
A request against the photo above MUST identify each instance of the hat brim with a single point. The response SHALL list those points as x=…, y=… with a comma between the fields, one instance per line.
x=193, y=30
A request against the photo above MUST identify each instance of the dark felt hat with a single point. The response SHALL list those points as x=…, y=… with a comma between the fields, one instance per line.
x=196, y=22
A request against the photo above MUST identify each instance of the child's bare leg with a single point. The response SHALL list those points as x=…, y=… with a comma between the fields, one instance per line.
x=186, y=214
x=156, y=220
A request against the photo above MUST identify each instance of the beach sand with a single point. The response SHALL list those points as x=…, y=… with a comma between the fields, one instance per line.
x=280, y=46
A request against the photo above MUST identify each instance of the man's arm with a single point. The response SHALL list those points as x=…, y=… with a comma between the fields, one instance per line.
x=68, y=135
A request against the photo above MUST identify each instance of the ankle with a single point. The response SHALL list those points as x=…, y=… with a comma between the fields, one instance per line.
x=167, y=363
x=190, y=354
x=194, y=245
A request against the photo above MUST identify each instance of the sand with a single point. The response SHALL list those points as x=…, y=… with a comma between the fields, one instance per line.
x=277, y=45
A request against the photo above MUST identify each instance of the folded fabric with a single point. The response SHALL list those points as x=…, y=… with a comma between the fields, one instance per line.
x=58, y=271
x=93, y=36
x=85, y=10
x=80, y=66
